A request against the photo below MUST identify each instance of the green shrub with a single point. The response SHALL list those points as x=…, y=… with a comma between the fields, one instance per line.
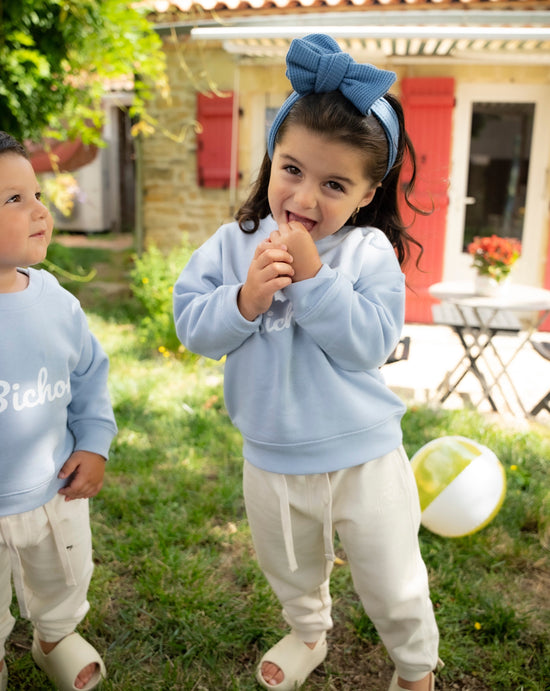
x=152, y=282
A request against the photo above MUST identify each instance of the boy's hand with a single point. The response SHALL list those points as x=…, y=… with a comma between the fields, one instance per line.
x=302, y=248
x=86, y=470
x=270, y=270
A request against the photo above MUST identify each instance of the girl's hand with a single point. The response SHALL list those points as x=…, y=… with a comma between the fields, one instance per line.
x=86, y=470
x=302, y=248
x=270, y=270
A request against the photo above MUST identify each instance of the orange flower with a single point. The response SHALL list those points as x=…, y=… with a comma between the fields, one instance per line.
x=494, y=256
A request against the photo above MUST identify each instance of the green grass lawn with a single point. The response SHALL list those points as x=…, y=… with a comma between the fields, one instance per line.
x=178, y=602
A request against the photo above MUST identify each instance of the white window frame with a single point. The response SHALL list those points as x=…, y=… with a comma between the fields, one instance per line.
x=529, y=269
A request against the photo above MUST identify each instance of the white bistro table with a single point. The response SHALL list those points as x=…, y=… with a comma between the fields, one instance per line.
x=519, y=311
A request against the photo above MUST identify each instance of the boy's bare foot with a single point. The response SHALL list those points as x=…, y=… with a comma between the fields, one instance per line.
x=84, y=675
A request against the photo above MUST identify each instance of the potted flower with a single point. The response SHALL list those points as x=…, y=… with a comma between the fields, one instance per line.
x=493, y=257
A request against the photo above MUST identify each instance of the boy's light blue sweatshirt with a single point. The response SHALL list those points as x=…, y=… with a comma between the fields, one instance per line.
x=302, y=381
x=53, y=391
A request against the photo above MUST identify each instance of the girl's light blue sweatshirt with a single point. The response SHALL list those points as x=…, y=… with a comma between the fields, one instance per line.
x=53, y=391
x=302, y=381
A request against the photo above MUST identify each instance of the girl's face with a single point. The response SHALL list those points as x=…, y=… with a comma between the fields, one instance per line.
x=317, y=181
x=25, y=223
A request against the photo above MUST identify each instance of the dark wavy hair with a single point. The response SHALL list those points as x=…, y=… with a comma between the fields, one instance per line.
x=10, y=145
x=331, y=115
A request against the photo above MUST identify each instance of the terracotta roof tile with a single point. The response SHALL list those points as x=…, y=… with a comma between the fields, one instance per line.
x=517, y=32
x=165, y=6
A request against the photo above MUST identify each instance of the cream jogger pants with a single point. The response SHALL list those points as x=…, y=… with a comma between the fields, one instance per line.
x=374, y=508
x=48, y=551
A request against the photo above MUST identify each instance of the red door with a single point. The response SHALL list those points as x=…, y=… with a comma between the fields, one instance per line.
x=428, y=106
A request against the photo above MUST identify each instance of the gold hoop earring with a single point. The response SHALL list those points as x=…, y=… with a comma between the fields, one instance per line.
x=355, y=214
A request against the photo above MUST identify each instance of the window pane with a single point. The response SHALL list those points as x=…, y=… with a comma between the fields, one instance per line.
x=498, y=171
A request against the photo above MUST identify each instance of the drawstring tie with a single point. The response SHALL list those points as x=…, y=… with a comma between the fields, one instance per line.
x=328, y=533
x=286, y=522
x=16, y=568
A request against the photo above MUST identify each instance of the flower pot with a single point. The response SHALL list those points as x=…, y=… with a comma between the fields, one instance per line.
x=487, y=286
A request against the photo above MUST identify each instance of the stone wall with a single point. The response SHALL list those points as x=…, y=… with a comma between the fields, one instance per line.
x=173, y=203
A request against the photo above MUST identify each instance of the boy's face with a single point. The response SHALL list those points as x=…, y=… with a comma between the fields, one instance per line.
x=25, y=223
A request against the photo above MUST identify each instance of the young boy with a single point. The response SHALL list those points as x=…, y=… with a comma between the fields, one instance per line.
x=56, y=427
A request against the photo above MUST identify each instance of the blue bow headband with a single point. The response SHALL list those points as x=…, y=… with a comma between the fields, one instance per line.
x=316, y=64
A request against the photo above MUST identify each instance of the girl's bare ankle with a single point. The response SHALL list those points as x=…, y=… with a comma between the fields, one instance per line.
x=421, y=685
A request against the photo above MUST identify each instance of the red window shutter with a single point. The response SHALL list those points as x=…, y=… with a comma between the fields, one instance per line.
x=428, y=106
x=215, y=115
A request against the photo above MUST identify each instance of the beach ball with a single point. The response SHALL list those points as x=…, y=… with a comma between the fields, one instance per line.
x=461, y=485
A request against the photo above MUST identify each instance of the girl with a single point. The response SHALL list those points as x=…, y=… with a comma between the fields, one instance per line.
x=305, y=296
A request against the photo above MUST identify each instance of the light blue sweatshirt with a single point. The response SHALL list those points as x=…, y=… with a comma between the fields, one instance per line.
x=302, y=381
x=53, y=391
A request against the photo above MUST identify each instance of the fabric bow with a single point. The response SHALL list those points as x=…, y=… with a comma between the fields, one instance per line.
x=316, y=64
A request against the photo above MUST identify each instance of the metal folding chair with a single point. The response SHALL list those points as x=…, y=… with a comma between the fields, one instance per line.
x=542, y=348
x=401, y=351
